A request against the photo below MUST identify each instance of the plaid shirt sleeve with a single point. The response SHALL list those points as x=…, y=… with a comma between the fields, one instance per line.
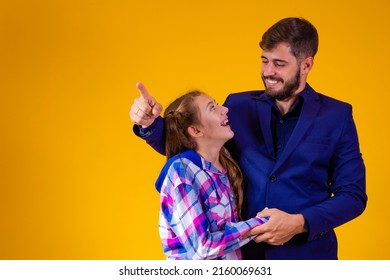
x=186, y=230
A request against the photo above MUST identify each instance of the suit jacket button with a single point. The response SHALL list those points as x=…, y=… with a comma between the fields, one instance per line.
x=272, y=178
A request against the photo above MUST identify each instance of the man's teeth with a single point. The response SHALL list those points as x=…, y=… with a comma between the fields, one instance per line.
x=225, y=123
x=272, y=81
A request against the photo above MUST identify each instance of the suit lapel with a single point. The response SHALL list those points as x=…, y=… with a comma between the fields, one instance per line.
x=310, y=108
x=264, y=114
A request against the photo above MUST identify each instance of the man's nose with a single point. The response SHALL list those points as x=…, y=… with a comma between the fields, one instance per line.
x=268, y=69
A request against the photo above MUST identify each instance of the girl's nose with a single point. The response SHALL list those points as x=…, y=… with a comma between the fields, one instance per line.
x=224, y=110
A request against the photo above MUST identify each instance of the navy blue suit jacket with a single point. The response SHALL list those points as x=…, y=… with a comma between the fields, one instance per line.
x=320, y=174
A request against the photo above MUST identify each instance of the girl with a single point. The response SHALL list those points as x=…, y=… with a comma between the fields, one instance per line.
x=200, y=185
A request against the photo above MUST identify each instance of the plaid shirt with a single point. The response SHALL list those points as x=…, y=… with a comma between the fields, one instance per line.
x=197, y=217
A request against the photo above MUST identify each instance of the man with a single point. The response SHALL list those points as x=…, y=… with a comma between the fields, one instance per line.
x=298, y=150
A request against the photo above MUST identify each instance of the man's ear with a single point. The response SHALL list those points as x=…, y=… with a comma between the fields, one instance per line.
x=306, y=65
x=194, y=131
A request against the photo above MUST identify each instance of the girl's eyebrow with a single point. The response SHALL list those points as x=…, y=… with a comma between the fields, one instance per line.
x=210, y=103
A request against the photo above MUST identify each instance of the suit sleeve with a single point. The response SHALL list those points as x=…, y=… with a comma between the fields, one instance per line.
x=347, y=183
x=154, y=136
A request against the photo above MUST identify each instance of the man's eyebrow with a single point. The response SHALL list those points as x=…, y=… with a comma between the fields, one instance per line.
x=275, y=60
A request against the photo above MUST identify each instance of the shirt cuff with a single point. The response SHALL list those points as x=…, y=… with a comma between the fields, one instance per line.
x=306, y=225
x=146, y=131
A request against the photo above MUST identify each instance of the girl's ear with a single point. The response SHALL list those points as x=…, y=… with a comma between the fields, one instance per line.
x=194, y=131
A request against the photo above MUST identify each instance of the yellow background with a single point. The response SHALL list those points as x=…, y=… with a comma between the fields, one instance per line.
x=76, y=183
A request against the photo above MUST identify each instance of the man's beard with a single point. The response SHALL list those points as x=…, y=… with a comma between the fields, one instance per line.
x=288, y=89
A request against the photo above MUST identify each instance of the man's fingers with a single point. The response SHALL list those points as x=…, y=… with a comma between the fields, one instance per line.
x=261, y=238
x=139, y=117
x=143, y=106
x=157, y=109
x=255, y=231
x=144, y=92
x=149, y=100
x=265, y=213
x=247, y=234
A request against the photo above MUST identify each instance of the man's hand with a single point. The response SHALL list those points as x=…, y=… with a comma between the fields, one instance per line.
x=279, y=229
x=145, y=108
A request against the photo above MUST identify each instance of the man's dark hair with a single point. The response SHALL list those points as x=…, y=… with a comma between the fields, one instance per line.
x=298, y=33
